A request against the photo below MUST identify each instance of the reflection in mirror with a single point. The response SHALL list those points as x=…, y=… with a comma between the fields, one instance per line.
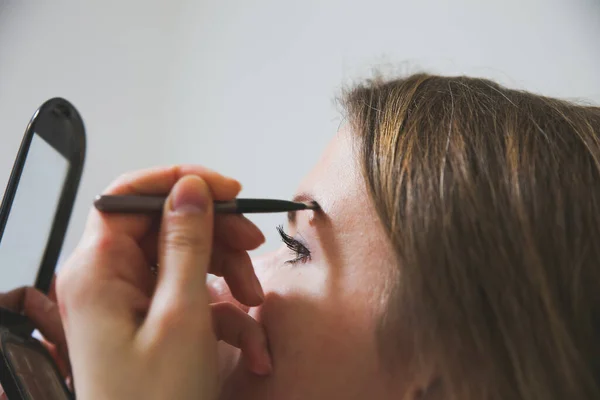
x=30, y=218
x=37, y=376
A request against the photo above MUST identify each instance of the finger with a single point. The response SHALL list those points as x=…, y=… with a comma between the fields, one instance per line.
x=13, y=300
x=160, y=180
x=63, y=364
x=43, y=313
x=236, y=268
x=45, y=316
x=234, y=265
x=237, y=232
x=185, y=247
x=52, y=289
x=155, y=181
x=235, y=327
x=218, y=292
x=232, y=231
x=69, y=383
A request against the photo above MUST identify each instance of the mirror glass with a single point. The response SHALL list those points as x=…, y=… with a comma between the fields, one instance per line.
x=31, y=215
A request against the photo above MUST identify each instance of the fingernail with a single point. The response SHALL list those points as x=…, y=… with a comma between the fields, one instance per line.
x=235, y=182
x=190, y=195
x=263, y=367
x=267, y=366
x=258, y=289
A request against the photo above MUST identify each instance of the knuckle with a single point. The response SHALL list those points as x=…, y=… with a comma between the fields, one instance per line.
x=178, y=240
x=181, y=315
x=125, y=177
x=111, y=246
x=103, y=243
x=219, y=291
x=122, y=180
x=224, y=308
x=183, y=235
x=95, y=242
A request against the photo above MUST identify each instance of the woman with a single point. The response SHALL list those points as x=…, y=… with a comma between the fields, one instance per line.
x=455, y=256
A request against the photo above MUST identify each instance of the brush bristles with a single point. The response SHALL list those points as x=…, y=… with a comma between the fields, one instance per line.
x=312, y=205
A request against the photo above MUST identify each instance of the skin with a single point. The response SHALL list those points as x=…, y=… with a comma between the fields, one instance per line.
x=42, y=311
x=132, y=334
x=303, y=330
x=320, y=315
x=126, y=327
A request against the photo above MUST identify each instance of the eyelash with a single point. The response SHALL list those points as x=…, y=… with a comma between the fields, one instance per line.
x=301, y=251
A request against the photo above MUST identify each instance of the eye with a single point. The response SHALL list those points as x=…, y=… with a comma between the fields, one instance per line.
x=300, y=250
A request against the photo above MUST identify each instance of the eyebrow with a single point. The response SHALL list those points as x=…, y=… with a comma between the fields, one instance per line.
x=301, y=197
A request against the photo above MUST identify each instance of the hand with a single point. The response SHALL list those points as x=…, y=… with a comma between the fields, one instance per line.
x=134, y=335
x=42, y=311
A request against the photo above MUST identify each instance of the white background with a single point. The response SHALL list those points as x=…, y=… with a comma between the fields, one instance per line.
x=247, y=86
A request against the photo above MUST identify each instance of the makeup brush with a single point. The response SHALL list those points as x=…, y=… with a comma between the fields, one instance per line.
x=149, y=204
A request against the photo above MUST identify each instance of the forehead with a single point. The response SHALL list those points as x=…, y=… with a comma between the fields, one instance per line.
x=337, y=184
x=353, y=243
x=335, y=181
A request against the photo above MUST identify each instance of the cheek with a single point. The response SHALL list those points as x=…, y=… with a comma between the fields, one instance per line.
x=297, y=312
x=315, y=333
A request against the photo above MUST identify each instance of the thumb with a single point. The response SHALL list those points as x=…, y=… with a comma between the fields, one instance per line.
x=185, y=243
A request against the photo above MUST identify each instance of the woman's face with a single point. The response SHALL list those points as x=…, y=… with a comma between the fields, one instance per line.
x=320, y=310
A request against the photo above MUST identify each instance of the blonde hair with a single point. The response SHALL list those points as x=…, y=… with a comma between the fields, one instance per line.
x=491, y=199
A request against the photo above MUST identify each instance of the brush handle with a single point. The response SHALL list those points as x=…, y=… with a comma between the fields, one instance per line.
x=252, y=206
x=127, y=204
